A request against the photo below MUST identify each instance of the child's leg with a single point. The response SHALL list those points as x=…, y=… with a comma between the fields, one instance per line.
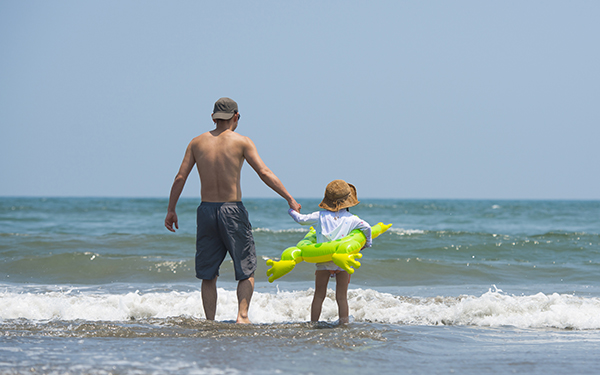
x=321, y=280
x=342, y=279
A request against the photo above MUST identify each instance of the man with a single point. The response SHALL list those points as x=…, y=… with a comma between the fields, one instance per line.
x=222, y=220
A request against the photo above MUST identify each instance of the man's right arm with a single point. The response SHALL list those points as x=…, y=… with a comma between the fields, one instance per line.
x=266, y=175
x=184, y=171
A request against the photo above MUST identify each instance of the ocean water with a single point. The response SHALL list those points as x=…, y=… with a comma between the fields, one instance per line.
x=99, y=286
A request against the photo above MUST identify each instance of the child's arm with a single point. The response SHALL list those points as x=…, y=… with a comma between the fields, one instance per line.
x=366, y=229
x=304, y=219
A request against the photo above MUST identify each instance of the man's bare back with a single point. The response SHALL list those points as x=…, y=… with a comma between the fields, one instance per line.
x=219, y=156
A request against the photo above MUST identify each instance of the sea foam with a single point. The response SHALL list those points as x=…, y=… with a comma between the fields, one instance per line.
x=492, y=309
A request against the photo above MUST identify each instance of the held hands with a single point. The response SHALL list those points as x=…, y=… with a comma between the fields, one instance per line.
x=294, y=205
x=171, y=220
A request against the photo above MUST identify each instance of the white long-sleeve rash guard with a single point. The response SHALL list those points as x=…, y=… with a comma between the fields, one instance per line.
x=333, y=225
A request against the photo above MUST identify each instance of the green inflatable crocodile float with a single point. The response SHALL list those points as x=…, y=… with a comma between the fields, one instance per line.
x=342, y=252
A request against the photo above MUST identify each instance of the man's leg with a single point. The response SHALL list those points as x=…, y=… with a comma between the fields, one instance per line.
x=244, y=294
x=209, y=298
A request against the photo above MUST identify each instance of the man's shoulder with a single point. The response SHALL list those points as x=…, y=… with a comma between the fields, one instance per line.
x=199, y=138
x=240, y=140
x=239, y=136
x=206, y=136
x=229, y=140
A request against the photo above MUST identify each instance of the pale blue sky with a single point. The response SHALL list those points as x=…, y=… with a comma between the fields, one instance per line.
x=405, y=99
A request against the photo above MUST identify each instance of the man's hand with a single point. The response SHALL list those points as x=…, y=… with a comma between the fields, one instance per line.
x=170, y=220
x=295, y=205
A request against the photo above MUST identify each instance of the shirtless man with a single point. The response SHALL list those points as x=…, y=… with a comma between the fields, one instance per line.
x=222, y=220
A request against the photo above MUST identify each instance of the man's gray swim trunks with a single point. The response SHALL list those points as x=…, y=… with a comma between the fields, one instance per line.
x=224, y=228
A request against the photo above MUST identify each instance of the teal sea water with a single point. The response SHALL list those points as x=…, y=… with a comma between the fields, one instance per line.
x=99, y=286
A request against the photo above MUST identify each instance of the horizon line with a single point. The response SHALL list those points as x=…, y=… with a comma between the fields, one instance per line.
x=278, y=198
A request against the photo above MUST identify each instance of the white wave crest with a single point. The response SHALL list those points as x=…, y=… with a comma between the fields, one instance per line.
x=491, y=309
x=405, y=232
x=293, y=230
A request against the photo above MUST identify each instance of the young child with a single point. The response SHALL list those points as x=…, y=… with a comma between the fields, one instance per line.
x=333, y=223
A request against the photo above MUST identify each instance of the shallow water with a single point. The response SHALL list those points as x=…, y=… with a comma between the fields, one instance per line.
x=98, y=286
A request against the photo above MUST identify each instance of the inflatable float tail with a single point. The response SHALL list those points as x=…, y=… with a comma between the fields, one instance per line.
x=378, y=229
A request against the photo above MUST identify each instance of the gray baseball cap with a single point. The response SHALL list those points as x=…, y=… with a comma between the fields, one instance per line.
x=224, y=109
